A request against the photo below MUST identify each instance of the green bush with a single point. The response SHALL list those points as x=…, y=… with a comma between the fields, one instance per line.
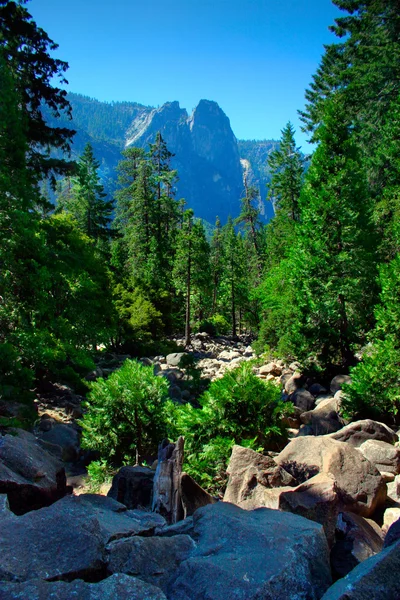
x=126, y=414
x=375, y=388
x=99, y=472
x=238, y=408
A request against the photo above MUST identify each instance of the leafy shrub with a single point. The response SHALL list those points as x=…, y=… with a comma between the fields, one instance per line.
x=238, y=408
x=375, y=388
x=206, y=327
x=126, y=414
x=99, y=472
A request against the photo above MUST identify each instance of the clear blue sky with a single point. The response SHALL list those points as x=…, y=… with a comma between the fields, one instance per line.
x=254, y=57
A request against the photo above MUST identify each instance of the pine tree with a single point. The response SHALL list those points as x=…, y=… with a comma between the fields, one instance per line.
x=216, y=262
x=233, y=275
x=249, y=218
x=25, y=48
x=333, y=259
x=85, y=199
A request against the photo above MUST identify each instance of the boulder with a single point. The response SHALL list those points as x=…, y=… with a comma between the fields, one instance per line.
x=393, y=490
x=118, y=586
x=375, y=578
x=324, y=418
x=174, y=359
x=30, y=476
x=62, y=436
x=356, y=540
x=303, y=399
x=390, y=516
x=316, y=389
x=338, y=381
x=153, y=559
x=358, y=432
x=360, y=486
x=133, y=487
x=315, y=499
x=253, y=554
x=393, y=534
x=193, y=495
x=184, y=527
x=384, y=456
x=66, y=540
x=294, y=382
x=250, y=473
x=270, y=369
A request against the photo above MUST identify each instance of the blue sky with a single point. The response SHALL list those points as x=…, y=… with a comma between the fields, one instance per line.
x=254, y=57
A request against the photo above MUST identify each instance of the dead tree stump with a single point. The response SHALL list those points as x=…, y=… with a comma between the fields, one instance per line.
x=167, y=495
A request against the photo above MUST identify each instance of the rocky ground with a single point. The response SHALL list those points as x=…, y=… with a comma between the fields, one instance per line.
x=325, y=509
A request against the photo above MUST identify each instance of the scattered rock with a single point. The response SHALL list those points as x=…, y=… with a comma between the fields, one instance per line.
x=390, y=516
x=294, y=382
x=184, y=527
x=360, y=486
x=174, y=359
x=357, y=539
x=393, y=534
x=62, y=436
x=393, y=490
x=133, y=487
x=302, y=399
x=30, y=476
x=324, y=418
x=270, y=369
x=384, y=456
x=118, y=586
x=253, y=554
x=358, y=432
x=375, y=578
x=338, y=381
x=316, y=389
x=193, y=495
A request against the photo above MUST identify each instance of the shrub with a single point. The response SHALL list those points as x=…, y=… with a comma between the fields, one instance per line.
x=126, y=414
x=238, y=408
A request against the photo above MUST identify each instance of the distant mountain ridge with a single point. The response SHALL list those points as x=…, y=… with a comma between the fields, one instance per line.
x=210, y=160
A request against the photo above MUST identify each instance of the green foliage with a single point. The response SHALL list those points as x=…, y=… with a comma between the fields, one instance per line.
x=99, y=472
x=238, y=408
x=126, y=414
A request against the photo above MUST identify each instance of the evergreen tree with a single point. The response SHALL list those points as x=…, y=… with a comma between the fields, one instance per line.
x=333, y=259
x=25, y=48
x=249, y=218
x=216, y=262
x=234, y=269
x=86, y=198
x=191, y=268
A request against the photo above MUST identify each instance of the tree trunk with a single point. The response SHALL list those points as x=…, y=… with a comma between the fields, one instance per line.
x=167, y=494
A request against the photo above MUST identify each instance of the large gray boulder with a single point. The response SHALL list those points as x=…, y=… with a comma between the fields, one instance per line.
x=358, y=432
x=133, y=487
x=376, y=578
x=119, y=586
x=62, y=440
x=193, y=496
x=338, y=381
x=357, y=539
x=246, y=555
x=250, y=476
x=67, y=539
x=174, y=359
x=303, y=399
x=360, y=486
x=30, y=476
x=153, y=559
x=384, y=456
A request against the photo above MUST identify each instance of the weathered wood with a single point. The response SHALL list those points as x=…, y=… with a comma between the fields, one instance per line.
x=167, y=496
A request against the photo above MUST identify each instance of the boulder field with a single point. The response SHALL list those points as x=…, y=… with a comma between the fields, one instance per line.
x=319, y=520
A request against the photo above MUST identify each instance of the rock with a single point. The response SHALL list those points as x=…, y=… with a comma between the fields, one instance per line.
x=293, y=383
x=376, y=578
x=133, y=487
x=248, y=352
x=358, y=432
x=324, y=418
x=393, y=534
x=315, y=499
x=249, y=474
x=270, y=369
x=250, y=554
x=359, y=484
x=229, y=355
x=295, y=366
x=64, y=436
x=357, y=539
x=316, y=389
x=153, y=559
x=305, y=430
x=175, y=392
x=393, y=490
x=184, y=527
x=118, y=586
x=174, y=359
x=338, y=381
x=384, y=456
x=390, y=516
x=302, y=399
x=30, y=476
x=193, y=495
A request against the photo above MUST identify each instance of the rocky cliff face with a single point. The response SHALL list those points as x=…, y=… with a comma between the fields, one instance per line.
x=207, y=153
